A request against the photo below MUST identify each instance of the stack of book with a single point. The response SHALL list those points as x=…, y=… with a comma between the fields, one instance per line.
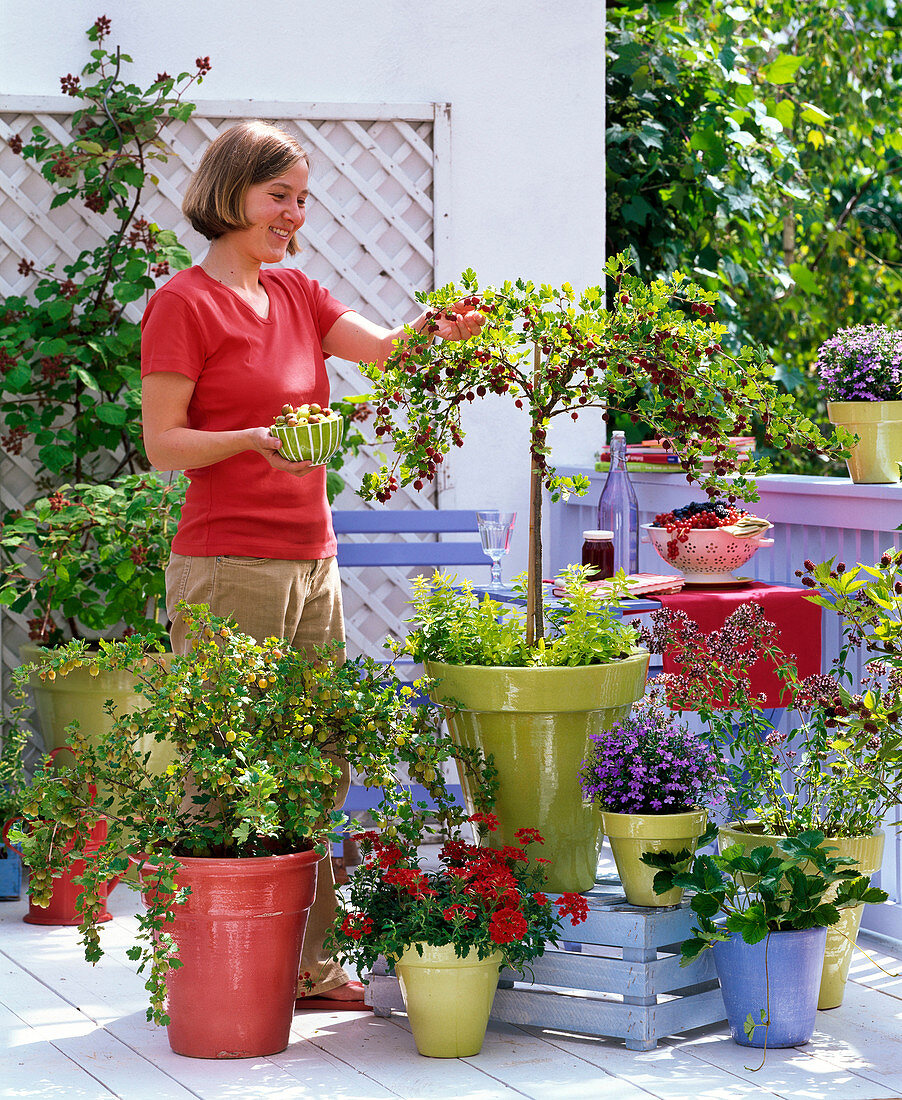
x=640, y=584
x=651, y=456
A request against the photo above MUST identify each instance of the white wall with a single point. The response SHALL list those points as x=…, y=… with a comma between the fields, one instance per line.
x=526, y=85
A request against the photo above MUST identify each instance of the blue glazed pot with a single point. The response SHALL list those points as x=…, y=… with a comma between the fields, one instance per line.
x=10, y=874
x=794, y=962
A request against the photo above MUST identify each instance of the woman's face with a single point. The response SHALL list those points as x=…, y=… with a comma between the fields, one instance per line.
x=275, y=210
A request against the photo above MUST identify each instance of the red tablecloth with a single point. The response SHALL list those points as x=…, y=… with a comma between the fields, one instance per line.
x=797, y=619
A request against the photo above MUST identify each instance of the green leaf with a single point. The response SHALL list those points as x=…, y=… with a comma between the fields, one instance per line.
x=54, y=457
x=112, y=414
x=89, y=380
x=804, y=278
x=18, y=377
x=783, y=69
x=128, y=292
x=785, y=112
x=125, y=570
x=59, y=309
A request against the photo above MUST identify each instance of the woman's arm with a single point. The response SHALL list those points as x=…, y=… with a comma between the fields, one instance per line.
x=172, y=445
x=355, y=338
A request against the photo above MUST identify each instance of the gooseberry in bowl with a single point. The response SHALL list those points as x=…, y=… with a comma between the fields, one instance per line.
x=309, y=432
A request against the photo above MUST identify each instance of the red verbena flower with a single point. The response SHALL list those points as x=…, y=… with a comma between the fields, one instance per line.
x=488, y=821
x=573, y=906
x=507, y=925
x=529, y=836
x=356, y=925
x=453, y=910
x=540, y=899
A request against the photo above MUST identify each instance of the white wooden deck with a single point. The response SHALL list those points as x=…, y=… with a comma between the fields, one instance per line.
x=76, y=1032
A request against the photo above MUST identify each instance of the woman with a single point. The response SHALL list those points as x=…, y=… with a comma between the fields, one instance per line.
x=224, y=346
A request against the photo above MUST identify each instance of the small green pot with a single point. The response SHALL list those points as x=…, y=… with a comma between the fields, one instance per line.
x=868, y=850
x=875, y=459
x=448, y=999
x=632, y=834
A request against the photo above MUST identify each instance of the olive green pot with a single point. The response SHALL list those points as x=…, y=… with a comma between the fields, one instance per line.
x=868, y=850
x=875, y=459
x=536, y=723
x=632, y=834
x=80, y=697
x=448, y=999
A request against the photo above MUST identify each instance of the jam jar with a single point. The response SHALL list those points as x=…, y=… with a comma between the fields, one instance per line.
x=598, y=550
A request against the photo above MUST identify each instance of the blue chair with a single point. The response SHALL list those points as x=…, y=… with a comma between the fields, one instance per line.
x=403, y=554
x=407, y=553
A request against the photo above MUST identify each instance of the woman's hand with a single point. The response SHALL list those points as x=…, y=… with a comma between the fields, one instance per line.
x=267, y=445
x=458, y=323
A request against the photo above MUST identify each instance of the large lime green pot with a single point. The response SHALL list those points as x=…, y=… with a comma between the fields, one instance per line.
x=78, y=697
x=632, y=834
x=875, y=459
x=536, y=723
x=868, y=850
x=448, y=999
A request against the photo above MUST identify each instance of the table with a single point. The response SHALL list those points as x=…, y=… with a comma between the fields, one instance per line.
x=633, y=606
x=797, y=619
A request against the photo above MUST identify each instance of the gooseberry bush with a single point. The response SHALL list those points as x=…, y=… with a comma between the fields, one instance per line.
x=655, y=352
x=255, y=730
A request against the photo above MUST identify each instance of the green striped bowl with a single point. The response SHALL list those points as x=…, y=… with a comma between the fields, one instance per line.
x=310, y=442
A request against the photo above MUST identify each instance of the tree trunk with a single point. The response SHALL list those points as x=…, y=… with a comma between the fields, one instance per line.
x=535, y=615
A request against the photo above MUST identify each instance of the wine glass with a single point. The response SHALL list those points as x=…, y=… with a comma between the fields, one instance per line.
x=495, y=530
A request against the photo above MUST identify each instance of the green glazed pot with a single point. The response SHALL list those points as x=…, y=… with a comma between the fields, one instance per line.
x=868, y=850
x=875, y=459
x=632, y=834
x=79, y=696
x=448, y=999
x=537, y=722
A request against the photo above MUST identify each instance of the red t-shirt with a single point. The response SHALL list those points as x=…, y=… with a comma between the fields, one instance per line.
x=245, y=368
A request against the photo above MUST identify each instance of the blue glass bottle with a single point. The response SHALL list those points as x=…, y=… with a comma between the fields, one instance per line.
x=618, y=508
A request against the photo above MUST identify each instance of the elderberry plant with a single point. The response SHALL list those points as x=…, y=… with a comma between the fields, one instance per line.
x=69, y=358
x=656, y=353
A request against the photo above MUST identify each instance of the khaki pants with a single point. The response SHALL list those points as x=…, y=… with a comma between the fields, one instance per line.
x=299, y=601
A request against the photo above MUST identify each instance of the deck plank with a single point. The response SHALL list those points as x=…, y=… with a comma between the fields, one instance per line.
x=384, y=1050
x=73, y=1030
x=666, y=1073
x=790, y=1074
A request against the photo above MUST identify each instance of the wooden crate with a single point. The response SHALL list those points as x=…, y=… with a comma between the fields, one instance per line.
x=623, y=978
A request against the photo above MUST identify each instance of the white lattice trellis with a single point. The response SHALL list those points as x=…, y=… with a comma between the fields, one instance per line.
x=377, y=218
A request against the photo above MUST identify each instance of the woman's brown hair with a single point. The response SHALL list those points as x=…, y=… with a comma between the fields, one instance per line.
x=251, y=152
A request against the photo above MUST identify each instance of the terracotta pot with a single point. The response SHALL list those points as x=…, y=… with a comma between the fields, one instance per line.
x=63, y=907
x=239, y=937
x=537, y=722
x=632, y=834
x=868, y=850
x=875, y=459
x=448, y=999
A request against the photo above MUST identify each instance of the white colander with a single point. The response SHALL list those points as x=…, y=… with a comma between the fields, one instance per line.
x=708, y=556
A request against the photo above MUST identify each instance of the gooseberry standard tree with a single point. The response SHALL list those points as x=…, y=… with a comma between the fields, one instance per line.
x=656, y=351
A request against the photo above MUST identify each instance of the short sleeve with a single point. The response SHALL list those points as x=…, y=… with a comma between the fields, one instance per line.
x=325, y=308
x=171, y=336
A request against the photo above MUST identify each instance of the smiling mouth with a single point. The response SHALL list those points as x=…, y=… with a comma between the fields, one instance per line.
x=284, y=234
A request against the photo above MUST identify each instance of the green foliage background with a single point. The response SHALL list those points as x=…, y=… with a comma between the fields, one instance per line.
x=757, y=148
